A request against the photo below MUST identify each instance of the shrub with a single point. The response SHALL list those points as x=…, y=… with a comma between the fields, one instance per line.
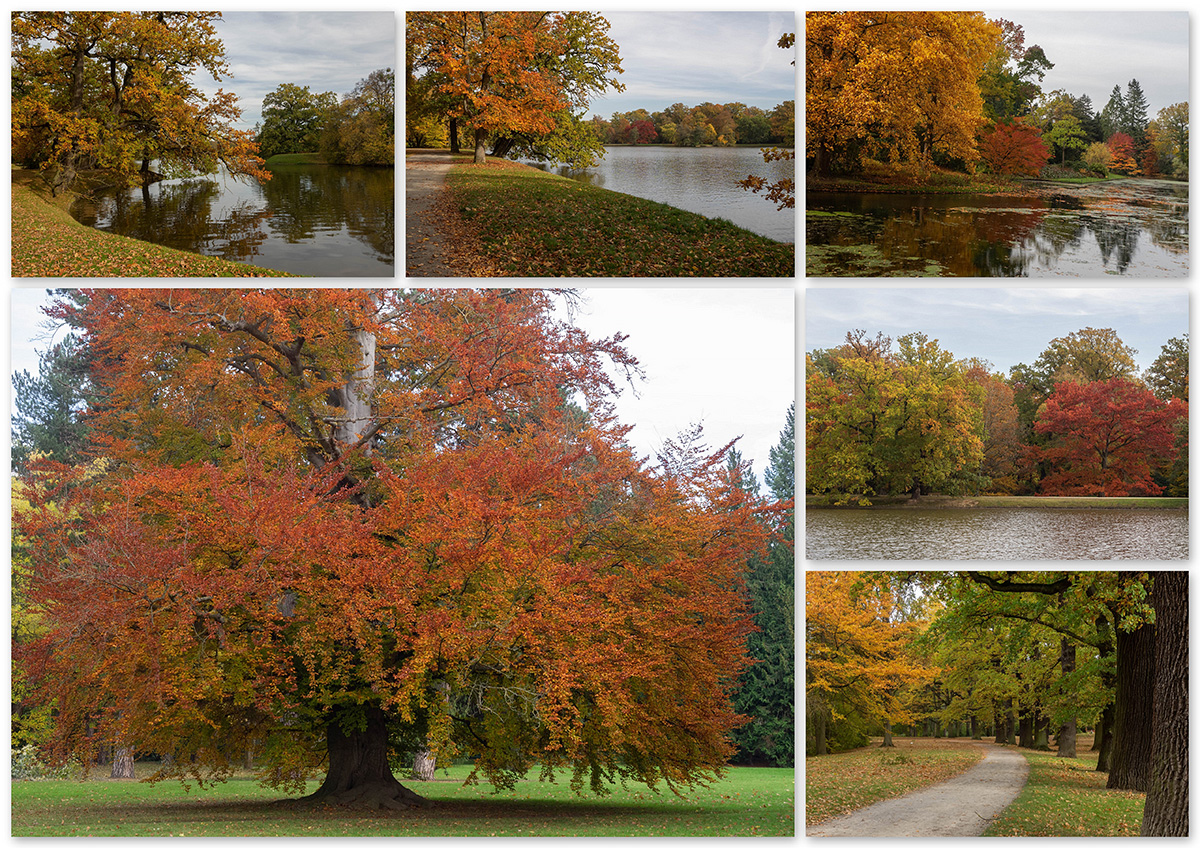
x=27, y=765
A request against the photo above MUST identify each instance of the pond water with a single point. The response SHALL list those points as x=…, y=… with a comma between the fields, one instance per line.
x=1007, y=534
x=1125, y=227
x=317, y=220
x=698, y=179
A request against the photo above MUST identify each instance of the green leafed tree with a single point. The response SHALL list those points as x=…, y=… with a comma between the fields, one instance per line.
x=292, y=118
x=361, y=129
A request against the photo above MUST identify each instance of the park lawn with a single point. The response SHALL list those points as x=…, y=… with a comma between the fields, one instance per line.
x=297, y=159
x=1005, y=502
x=747, y=802
x=530, y=223
x=1065, y=797
x=839, y=783
x=48, y=242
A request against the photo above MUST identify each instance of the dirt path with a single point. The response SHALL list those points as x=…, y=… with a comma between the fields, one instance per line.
x=961, y=806
x=424, y=177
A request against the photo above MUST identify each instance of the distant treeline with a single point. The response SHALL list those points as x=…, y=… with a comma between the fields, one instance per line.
x=708, y=123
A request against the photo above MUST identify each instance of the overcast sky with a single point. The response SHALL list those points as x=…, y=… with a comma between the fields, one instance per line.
x=1005, y=326
x=722, y=357
x=698, y=57
x=1094, y=50
x=326, y=51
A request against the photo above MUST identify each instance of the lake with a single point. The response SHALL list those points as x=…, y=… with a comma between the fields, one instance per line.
x=316, y=220
x=1005, y=534
x=1125, y=227
x=699, y=179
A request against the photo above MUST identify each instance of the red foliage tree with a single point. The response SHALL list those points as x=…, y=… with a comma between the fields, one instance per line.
x=1123, y=154
x=1014, y=147
x=338, y=527
x=1107, y=438
x=644, y=132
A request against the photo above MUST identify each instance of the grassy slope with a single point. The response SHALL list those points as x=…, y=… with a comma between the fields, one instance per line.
x=839, y=783
x=748, y=802
x=532, y=223
x=297, y=159
x=1065, y=797
x=48, y=242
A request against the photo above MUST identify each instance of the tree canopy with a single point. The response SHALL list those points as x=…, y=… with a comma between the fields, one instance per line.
x=336, y=527
x=107, y=90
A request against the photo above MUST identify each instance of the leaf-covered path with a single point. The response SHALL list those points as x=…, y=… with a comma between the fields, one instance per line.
x=424, y=177
x=962, y=806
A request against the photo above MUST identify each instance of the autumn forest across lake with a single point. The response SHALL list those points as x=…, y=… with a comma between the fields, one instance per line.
x=946, y=144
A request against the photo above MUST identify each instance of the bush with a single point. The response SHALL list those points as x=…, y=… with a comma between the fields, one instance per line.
x=27, y=765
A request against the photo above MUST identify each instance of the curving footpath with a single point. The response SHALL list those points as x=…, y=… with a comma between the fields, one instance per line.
x=962, y=806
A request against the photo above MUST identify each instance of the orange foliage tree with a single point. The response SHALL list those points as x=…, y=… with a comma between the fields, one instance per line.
x=116, y=89
x=1107, y=437
x=1123, y=153
x=1014, y=147
x=339, y=527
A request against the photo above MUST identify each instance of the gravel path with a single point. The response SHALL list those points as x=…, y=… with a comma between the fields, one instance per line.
x=961, y=806
x=424, y=177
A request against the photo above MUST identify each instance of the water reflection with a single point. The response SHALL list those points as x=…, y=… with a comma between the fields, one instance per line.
x=1131, y=227
x=999, y=534
x=312, y=220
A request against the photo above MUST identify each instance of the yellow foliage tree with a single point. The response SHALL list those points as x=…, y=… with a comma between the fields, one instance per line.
x=857, y=633
x=900, y=85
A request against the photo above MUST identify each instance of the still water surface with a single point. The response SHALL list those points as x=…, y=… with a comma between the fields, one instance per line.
x=316, y=220
x=1006, y=534
x=1126, y=228
x=698, y=179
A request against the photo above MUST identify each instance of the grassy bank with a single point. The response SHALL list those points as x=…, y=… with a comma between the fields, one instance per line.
x=48, y=242
x=1006, y=502
x=529, y=223
x=748, y=802
x=839, y=783
x=1067, y=797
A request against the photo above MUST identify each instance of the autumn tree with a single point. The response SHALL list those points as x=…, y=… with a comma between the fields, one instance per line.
x=901, y=86
x=517, y=74
x=107, y=90
x=782, y=192
x=1171, y=128
x=882, y=422
x=1014, y=147
x=1097, y=157
x=857, y=655
x=1107, y=438
x=361, y=129
x=1009, y=81
x=1067, y=134
x=1122, y=148
x=336, y=526
x=292, y=118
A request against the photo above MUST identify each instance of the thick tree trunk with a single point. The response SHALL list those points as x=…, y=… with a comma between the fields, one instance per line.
x=1104, y=759
x=819, y=732
x=1026, y=731
x=1166, y=812
x=1133, y=710
x=424, y=764
x=454, y=146
x=975, y=733
x=1041, y=731
x=122, y=764
x=480, y=146
x=1066, y=733
x=359, y=774
x=887, y=734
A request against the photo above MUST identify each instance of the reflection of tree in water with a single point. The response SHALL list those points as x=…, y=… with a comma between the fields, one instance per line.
x=306, y=200
x=1118, y=241
x=181, y=215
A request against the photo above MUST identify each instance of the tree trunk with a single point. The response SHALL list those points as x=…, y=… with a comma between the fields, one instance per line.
x=122, y=764
x=887, y=734
x=480, y=146
x=454, y=146
x=1166, y=812
x=424, y=764
x=1066, y=733
x=1098, y=733
x=819, y=732
x=359, y=774
x=975, y=731
x=1134, y=710
x=1041, y=731
x=1026, y=729
x=1104, y=760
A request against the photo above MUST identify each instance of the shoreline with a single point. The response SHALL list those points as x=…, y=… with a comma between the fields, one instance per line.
x=1006, y=502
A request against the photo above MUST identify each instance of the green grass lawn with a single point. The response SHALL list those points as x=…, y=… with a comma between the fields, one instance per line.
x=748, y=802
x=839, y=783
x=297, y=159
x=1006, y=502
x=48, y=242
x=531, y=223
x=1066, y=797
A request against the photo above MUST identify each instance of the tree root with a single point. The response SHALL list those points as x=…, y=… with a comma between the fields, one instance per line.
x=365, y=796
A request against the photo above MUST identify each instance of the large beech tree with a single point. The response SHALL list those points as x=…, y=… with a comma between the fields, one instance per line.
x=338, y=527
